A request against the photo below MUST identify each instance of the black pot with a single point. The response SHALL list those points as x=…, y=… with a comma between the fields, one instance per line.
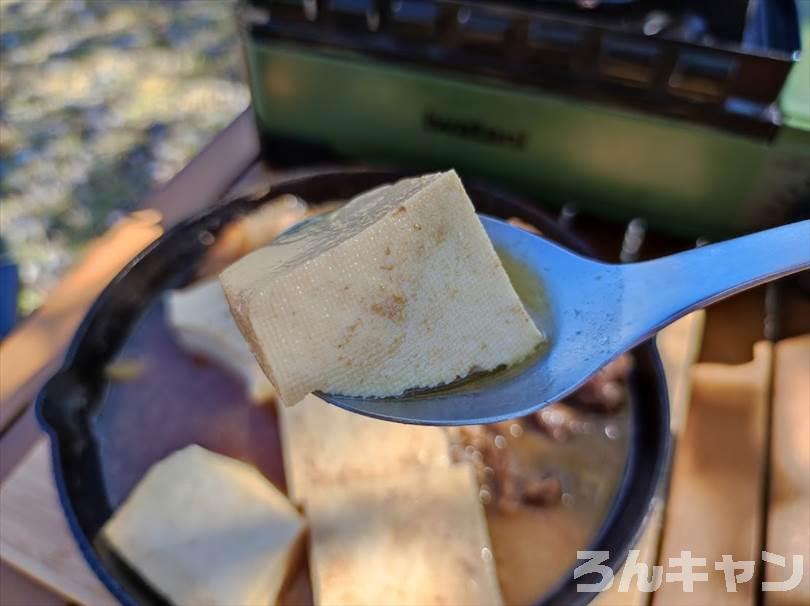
x=98, y=457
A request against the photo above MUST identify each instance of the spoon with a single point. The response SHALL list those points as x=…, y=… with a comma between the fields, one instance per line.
x=594, y=312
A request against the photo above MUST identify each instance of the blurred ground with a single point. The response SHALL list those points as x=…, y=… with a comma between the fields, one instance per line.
x=102, y=100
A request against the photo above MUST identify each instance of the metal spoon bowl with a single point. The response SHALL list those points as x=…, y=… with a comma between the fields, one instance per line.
x=594, y=312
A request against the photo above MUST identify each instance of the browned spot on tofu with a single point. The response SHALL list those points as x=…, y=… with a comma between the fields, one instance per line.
x=350, y=332
x=441, y=234
x=400, y=211
x=387, y=267
x=393, y=348
x=387, y=250
x=392, y=308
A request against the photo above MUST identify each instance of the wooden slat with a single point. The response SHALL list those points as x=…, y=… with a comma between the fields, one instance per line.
x=715, y=501
x=733, y=326
x=680, y=346
x=17, y=589
x=788, y=525
x=794, y=311
x=28, y=501
x=17, y=441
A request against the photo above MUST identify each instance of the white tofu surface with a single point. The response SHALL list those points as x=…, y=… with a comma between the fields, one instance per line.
x=202, y=323
x=205, y=529
x=398, y=289
x=407, y=539
x=322, y=443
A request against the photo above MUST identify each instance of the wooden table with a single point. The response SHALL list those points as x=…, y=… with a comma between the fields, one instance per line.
x=741, y=473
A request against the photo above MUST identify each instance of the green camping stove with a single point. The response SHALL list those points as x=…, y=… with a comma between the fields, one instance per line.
x=692, y=115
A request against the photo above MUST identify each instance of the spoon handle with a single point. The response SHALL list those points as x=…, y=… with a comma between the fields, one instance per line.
x=666, y=289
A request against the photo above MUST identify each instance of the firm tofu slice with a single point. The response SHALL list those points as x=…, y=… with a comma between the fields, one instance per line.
x=263, y=225
x=252, y=231
x=322, y=443
x=203, y=325
x=205, y=529
x=398, y=289
x=417, y=538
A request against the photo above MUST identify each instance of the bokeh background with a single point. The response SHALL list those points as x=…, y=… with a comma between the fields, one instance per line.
x=102, y=101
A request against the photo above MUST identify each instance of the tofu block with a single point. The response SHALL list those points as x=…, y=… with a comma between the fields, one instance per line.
x=209, y=530
x=203, y=325
x=252, y=231
x=417, y=538
x=264, y=224
x=398, y=289
x=322, y=443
